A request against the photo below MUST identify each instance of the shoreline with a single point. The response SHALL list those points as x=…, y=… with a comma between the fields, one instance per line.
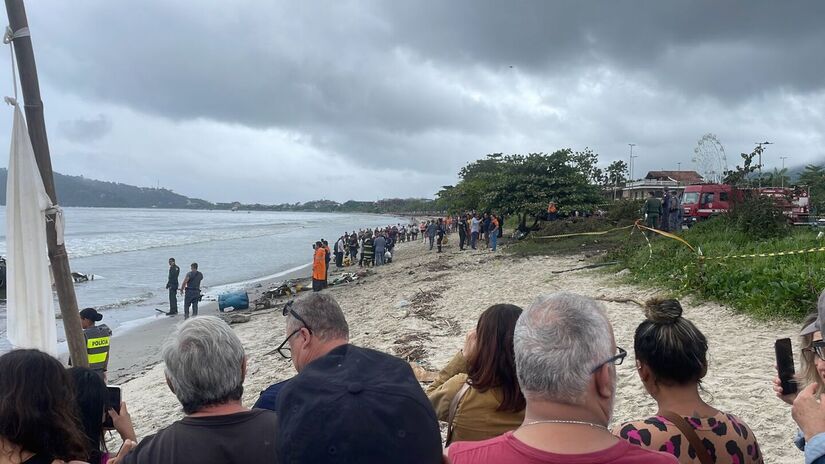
x=421, y=306
x=137, y=349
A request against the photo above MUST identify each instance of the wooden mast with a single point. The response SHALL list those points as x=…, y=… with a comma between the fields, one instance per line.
x=64, y=285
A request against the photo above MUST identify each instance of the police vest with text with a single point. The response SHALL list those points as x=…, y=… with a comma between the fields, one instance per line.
x=97, y=346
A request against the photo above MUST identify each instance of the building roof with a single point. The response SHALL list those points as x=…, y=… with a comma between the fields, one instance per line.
x=684, y=177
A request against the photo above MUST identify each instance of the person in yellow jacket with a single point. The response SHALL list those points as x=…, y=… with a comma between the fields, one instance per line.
x=478, y=393
x=319, y=267
x=97, y=340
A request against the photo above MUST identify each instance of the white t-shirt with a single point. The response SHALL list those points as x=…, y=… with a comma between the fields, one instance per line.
x=474, y=225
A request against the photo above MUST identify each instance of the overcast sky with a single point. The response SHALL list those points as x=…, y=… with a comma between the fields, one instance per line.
x=265, y=101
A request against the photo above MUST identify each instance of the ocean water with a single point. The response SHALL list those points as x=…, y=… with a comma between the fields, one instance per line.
x=128, y=249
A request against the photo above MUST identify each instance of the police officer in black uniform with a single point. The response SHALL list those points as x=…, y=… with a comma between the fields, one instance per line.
x=172, y=286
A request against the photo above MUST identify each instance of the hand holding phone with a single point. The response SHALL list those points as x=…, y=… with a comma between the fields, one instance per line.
x=784, y=365
x=112, y=403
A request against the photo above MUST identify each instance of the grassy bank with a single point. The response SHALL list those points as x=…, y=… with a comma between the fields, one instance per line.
x=766, y=287
x=533, y=245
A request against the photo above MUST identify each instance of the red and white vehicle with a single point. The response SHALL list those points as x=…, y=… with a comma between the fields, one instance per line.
x=702, y=201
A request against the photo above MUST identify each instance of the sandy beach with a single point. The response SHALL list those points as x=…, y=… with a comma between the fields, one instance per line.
x=445, y=293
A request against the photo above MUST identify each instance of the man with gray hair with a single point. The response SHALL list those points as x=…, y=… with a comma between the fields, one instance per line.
x=205, y=369
x=348, y=404
x=566, y=360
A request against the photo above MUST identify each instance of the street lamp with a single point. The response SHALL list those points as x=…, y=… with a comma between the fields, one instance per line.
x=759, y=144
x=782, y=172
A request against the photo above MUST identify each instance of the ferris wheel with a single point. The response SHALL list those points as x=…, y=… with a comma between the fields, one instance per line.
x=709, y=158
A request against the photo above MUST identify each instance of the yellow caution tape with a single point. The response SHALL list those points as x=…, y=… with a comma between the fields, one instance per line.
x=604, y=232
x=766, y=255
x=698, y=251
x=666, y=234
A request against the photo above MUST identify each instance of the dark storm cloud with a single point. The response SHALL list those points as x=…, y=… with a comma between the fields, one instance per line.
x=341, y=64
x=426, y=86
x=85, y=130
x=729, y=50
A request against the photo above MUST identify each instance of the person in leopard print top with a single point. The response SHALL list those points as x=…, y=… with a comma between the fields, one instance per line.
x=671, y=359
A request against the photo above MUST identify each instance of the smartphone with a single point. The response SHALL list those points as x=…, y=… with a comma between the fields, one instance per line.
x=784, y=364
x=113, y=402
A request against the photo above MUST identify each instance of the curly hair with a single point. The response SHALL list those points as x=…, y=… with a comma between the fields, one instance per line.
x=37, y=411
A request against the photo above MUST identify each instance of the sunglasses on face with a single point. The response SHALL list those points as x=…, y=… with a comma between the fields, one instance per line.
x=616, y=359
x=817, y=348
x=283, y=349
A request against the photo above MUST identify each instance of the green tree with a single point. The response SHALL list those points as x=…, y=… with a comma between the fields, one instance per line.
x=524, y=184
x=776, y=178
x=616, y=173
x=740, y=175
x=814, y=178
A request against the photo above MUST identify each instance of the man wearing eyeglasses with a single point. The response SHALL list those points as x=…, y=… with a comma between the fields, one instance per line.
x=566, y=360
x=348, y=404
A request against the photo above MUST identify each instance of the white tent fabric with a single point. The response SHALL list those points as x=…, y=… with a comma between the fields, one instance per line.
x=30, y=306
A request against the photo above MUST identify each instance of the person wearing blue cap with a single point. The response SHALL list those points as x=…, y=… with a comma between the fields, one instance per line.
x=348, y=404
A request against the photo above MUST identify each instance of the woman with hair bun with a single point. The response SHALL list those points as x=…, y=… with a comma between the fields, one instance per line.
x=671, y=359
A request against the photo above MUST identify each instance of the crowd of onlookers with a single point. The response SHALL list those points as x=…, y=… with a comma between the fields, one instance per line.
x=375, y=247
x=531, y=386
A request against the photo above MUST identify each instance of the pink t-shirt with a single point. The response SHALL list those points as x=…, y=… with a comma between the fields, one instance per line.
x=506, y=449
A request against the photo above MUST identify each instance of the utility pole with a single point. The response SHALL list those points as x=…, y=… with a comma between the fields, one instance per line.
x=678, y=167
x=63, y=283
x=759, y=145
x=782, y=172
x=630, y=165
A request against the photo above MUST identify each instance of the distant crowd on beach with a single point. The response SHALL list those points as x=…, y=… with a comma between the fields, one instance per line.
x=376, y=247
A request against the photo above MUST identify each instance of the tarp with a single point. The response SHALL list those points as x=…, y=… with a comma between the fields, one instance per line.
x=30, y=306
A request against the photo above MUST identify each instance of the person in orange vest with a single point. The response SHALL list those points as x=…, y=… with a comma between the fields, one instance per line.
x=552, y=211
x=319, y=267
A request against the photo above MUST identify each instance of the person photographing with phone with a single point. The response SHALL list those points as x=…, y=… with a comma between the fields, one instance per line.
x=808, y=407
x=97, y=414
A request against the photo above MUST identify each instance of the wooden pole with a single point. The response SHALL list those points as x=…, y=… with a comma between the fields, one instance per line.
x=64, y=285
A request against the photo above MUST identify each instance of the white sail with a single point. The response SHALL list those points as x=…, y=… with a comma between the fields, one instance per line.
x=30, y=306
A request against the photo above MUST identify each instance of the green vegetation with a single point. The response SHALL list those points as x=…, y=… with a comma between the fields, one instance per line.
x=534, y=245
x=80, y=191
x=814, y=177
x=766, y=287
x=523, y=185
x=386, y=206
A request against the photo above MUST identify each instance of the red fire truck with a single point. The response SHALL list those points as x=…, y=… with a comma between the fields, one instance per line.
x=702, y=201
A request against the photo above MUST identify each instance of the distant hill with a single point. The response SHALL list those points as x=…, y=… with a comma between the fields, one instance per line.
x=80, y=191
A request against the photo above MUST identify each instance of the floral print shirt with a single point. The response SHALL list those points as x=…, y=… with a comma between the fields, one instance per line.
x=726, y=437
